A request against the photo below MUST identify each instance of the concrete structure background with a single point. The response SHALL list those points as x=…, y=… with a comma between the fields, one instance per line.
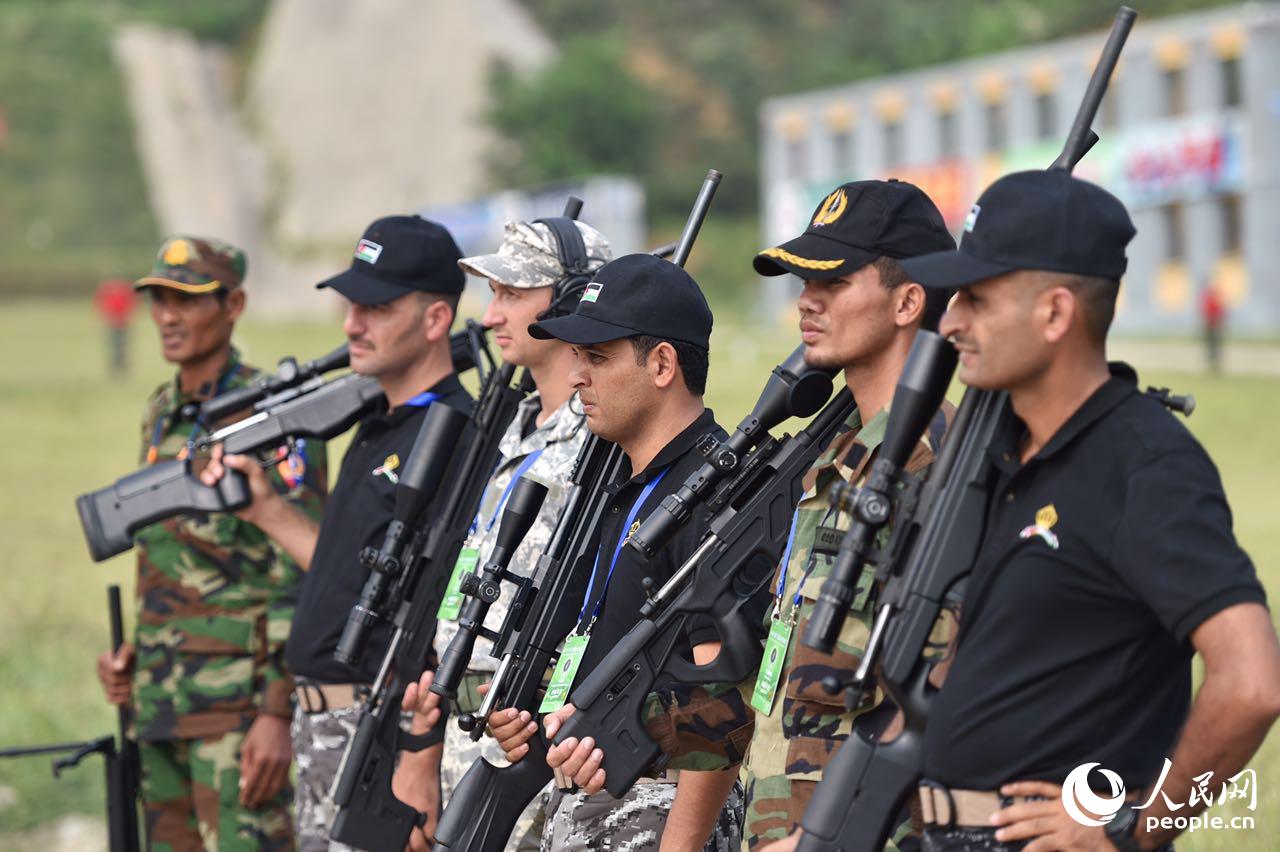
x=1190, y=131
x=347, y=112
x=371, y=107
x=612, y=204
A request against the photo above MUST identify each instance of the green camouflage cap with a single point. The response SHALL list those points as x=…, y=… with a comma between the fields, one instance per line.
x=529, y=256
x=196, y=265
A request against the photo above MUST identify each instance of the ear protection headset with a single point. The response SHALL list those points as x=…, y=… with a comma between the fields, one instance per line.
x=573, y=258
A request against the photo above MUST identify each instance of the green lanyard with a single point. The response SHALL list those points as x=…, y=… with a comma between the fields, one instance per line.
x=778, y=644
x=575, y=645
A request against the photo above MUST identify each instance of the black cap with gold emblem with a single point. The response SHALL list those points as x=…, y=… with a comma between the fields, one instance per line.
x=854, y=225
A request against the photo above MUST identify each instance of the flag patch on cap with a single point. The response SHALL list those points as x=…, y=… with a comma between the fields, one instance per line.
x=592, y=292
x=971, y=219
x=368, y=251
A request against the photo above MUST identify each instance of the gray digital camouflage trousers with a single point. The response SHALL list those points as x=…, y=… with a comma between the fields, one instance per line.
x=319, y=739
x=601, y=823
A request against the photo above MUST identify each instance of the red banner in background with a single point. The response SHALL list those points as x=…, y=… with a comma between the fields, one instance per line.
x=948, y=182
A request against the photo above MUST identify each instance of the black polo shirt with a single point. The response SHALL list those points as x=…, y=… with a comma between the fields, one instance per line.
x=625, y=593
x=356, y=516
x=1100, y=557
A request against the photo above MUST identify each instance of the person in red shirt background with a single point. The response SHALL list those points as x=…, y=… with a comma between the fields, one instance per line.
x=115, y=301
x=1214, y=314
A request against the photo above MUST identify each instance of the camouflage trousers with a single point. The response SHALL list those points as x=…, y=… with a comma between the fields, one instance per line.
x=460, y=752
x=601, y=823
x=191, y=798
x=776, y=805
x=319, y=740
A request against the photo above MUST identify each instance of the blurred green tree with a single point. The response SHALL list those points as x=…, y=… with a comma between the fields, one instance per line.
x=584, y=114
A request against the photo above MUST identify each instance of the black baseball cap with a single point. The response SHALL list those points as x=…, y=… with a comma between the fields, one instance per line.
x=635, y=294
x=857, y=223
x=397, y=255
x=1045, y=220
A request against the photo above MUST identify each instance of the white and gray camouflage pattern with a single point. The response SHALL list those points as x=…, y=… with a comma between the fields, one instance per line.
x=319, y=739
x=578, y=822
x=529, y=257
x=560, y=438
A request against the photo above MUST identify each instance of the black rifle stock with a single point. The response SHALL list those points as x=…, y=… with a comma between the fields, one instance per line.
x=123, y=773
x=111, y=516
x=369, y=814
x=488, y=800
x=867, y=782
x=296, y=403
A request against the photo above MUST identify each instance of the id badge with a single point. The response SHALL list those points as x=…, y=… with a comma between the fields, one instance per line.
x=451, y=605
x=566, y=669
x=775, y=655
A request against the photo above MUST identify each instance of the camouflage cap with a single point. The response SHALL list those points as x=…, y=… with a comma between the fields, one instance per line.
x=196, y=265
x=529, y=256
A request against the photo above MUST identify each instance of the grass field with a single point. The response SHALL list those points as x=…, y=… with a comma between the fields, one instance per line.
x=68, y=428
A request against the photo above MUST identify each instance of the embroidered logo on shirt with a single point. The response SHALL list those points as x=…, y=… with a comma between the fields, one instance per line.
x=1046, y=517
x=388, y=468
x=635, y=526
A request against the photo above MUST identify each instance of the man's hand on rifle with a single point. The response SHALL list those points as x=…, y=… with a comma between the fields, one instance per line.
x=578, y=761
x=265, y=756
x=422, y=703
x=268, y=510
x=512, y=729
x=417, y=778
x=264, y=500
x=115, y=671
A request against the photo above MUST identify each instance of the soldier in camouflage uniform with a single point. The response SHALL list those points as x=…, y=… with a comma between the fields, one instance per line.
x=859, y=313
x=210, y=696
x=528, y=277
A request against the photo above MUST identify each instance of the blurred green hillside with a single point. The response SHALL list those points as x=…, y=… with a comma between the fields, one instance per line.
x=74, y=203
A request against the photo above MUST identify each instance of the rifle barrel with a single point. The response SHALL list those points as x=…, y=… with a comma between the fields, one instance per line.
x=696, y=217
x=1081, y=137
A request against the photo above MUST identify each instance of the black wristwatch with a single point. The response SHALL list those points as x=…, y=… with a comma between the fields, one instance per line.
x=1121, y=828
